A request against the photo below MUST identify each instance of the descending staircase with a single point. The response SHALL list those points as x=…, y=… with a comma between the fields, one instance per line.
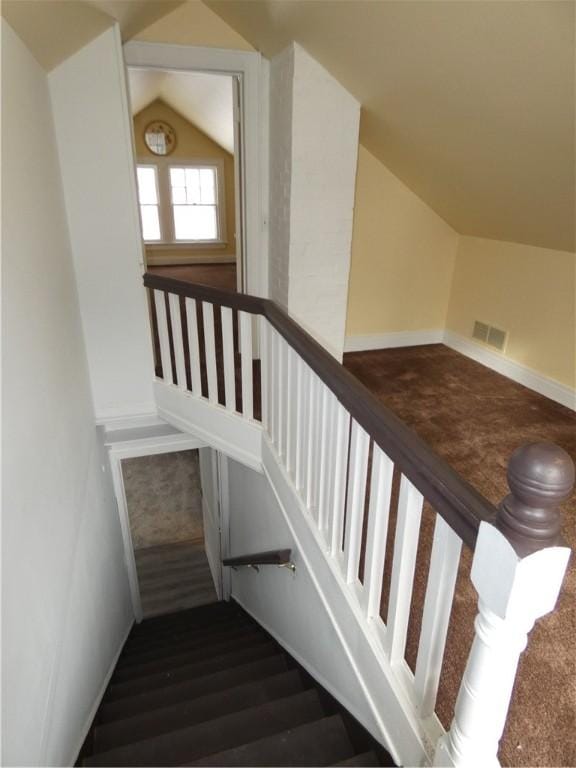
x=209, y=686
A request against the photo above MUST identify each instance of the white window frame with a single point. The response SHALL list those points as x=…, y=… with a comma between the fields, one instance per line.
x=167, y=233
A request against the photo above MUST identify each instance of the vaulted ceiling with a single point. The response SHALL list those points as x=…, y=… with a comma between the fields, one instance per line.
x=470, y=103
x=204, y=100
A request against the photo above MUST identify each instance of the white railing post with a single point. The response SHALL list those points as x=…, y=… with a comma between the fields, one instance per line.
x=518, y=569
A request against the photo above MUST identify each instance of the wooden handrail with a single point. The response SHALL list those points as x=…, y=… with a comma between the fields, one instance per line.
x=272, y=557
x=461, y=505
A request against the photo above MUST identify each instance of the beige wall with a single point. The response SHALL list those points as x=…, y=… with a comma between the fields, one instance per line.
x=190, y=143
x=193, y=23
x=529, y=292
x=402, y=256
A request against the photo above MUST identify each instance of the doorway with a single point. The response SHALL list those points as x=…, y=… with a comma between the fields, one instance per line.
x=187, y=145
x=166, y=518
x=250, y=73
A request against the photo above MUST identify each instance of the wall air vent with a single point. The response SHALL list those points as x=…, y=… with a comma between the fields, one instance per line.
x=495, y=337
x=480, y=331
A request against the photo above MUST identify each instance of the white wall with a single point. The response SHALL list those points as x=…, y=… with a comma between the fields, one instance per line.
x=96, y=157
x=314, y=125
x=289, y=605
x=65, y=600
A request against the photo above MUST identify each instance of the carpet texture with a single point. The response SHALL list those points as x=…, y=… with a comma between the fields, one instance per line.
x=475, y=418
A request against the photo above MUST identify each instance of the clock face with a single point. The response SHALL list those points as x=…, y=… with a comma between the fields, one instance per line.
x=160, y=138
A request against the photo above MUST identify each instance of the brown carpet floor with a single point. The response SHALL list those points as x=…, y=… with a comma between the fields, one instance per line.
x=475, y=418
x=221, y=276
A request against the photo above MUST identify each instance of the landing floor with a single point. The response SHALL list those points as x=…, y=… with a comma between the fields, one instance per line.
x=474, y=418
x=174, y=577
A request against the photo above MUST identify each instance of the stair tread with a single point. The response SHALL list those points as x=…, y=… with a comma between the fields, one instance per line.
x=182, y=644
x=187, y=744
x=210, y=682
x=158, y=639
x=191, y=670
x=365, y=759
x=198, y=709
x=200, y=619
x=184, y=656
x=318, y=743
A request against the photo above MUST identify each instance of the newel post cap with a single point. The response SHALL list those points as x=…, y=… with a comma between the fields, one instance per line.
x=540, y=477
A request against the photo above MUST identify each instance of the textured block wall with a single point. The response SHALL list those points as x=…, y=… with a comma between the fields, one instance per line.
x=314, y=125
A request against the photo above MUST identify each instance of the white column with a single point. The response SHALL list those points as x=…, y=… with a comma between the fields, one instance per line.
x=512, y=593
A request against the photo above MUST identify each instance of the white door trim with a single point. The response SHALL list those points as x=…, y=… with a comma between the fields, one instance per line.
x=252, y=70
x=129, y=449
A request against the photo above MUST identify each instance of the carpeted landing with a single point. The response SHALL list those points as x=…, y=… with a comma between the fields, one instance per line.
x=474, y=418
x=210, y=687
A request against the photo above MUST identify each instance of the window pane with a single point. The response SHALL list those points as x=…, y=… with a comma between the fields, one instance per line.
x=207, y=185
x=195, y=222
x=178, y=195
x=147, y=185
x=192, y=185
x=150, y=222
x=177, y=177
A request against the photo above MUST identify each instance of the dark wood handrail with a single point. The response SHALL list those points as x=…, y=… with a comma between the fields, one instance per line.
x=273, y=557
x=461, y=505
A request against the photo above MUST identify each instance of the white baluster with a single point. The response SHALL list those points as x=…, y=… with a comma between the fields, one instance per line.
x=162, y=323
x=377, y=534
x=193, y=346
x=301, y=415
x=176, y=322
x=327, y=489
x=341, y=444
x=246, y=358
x=228, y=355
x=293, y=435
x=281, y=395
x=403, y=564
x=210, y=349
x=444, y=560
x=357, y=470
x=288, y=406
x=264, y=372
x=309, y=495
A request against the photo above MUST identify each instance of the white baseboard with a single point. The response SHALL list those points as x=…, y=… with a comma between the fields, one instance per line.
x=140, y=415
x=530, y=378
x=363, y=343
x=97, y=701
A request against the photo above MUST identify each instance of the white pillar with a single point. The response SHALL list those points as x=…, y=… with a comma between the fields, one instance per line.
x=513, y=592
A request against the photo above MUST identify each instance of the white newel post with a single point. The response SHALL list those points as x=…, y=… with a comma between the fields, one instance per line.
x=518, y=569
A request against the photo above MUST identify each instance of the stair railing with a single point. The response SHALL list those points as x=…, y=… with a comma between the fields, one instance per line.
x=278, y=557
x=360, y=472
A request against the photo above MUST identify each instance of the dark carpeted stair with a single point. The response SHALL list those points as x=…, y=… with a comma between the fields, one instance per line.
x=209, y=686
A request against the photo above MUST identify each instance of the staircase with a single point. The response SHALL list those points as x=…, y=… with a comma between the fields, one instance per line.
x=209, y=686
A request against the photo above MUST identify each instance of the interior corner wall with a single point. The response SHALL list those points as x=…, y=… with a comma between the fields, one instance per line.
x=528, y=292
x=65, y=601
x=403, y=257
x=314, y=124
x=281, y=84
x=94, y=139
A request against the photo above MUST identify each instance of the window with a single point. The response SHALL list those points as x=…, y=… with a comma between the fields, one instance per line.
x=182, y=203
x=193, y=192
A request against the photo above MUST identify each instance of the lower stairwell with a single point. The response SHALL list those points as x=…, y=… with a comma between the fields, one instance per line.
x=209, y=686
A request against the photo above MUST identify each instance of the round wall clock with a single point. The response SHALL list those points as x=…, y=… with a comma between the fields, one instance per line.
x=160, y=137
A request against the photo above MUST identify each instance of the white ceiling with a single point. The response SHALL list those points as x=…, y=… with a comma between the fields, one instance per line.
x=469, y=102
x=204, y=100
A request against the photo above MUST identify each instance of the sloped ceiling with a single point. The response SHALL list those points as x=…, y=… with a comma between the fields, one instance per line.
x=204, y=100
x=471, y=104
x=55, y=29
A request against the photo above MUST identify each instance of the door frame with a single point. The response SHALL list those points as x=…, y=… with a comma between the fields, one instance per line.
x=252, y=72
x=129, y=449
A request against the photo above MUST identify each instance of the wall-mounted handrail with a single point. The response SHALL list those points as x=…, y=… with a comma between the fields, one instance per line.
x=279, y=557
x=461, y=505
